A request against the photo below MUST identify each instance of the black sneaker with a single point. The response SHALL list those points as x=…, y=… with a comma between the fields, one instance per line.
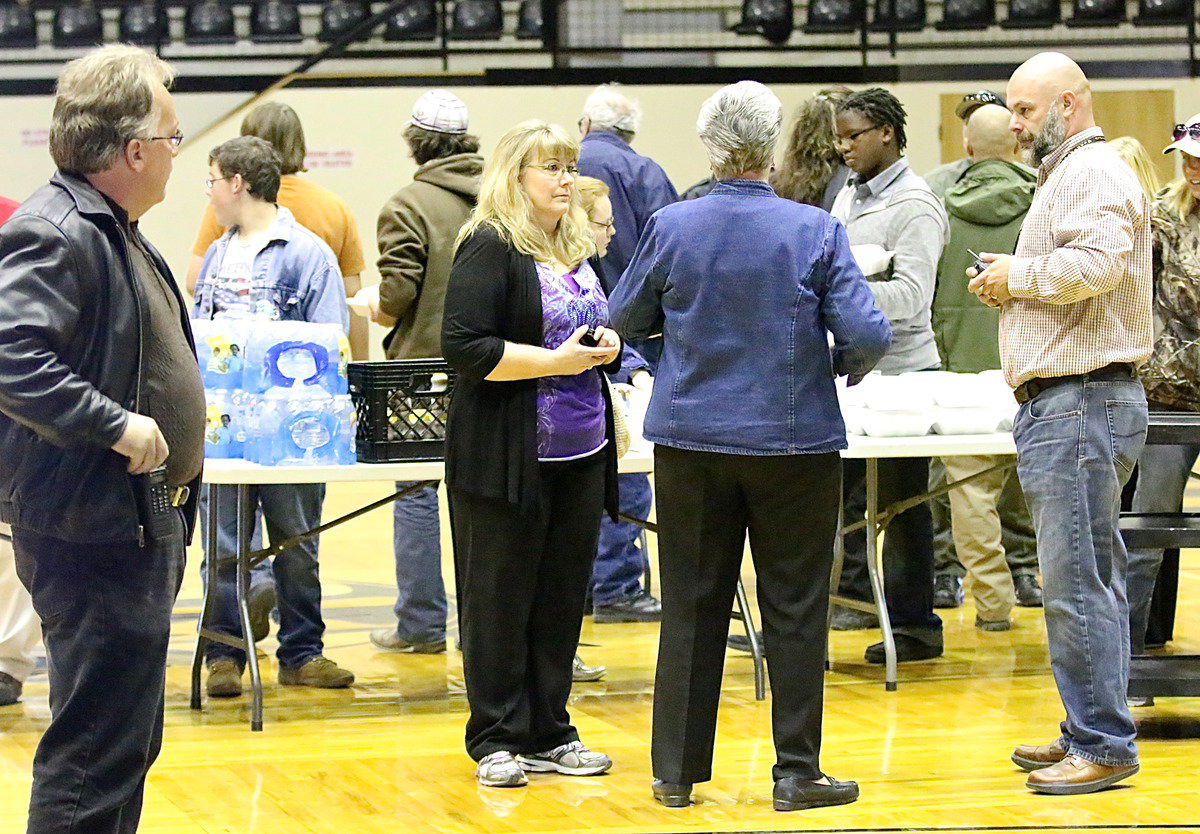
x=261, y=602
x=639, y=608
x=1029, y=592
x=908, y=648
x=947, y=591
x=851, y=619
x=10, y=689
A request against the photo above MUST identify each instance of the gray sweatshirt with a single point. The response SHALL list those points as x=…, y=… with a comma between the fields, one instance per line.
x=897, y=210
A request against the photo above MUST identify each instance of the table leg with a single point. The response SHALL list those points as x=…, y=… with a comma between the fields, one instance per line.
x=835, y=571
x=756, y=651
x=875, y=569
x=245, y=529
x=206, y=603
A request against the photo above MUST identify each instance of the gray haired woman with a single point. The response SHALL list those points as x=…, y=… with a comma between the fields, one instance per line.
x=745, y=287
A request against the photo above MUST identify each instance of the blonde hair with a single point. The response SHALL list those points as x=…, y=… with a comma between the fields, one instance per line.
x=1177, y=198
x=505, y=205
x=590, y=190
x=1135, y=156
x=103, y=100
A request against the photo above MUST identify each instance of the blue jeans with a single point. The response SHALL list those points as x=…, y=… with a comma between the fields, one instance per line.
x=620, y=563
x=1077, y=443
x=288, y=510
x=421, y=595
x=1162, y=477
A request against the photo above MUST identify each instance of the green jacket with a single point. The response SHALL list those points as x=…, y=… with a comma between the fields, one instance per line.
x=986, y=206
x=416, y=232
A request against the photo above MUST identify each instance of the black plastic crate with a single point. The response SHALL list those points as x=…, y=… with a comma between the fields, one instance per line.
x=402, y=406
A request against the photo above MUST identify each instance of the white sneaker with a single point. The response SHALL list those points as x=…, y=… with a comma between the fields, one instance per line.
x=572, y=759
x=500, y=770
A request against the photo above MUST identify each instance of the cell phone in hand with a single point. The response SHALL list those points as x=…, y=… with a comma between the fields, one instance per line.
x=979, y=266
x=590, y=337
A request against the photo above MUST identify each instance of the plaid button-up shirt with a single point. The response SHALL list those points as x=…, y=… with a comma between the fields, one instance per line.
x=1081, y=276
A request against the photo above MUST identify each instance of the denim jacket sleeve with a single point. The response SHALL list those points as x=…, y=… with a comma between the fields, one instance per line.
x=323, y=294
x=635, y=307
x=861, y=333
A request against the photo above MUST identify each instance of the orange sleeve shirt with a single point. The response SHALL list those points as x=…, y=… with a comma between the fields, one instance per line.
x=317, y=209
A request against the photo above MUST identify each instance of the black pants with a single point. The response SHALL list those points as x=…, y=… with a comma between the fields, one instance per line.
x=106, y=622
x=707, y=502
x=907, y=544
x=522, y=578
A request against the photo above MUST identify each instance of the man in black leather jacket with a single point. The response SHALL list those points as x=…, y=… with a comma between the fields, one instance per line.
x=98, y=387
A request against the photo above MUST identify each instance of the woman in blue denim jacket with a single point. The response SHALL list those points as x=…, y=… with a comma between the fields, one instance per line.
x=746, y=289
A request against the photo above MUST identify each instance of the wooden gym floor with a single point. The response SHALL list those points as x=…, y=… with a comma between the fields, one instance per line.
x=387, y=755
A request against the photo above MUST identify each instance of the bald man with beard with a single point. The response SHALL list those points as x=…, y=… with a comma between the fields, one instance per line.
x=1075, y=321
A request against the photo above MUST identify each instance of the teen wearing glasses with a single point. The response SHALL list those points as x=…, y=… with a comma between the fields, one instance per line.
x=530, y=452
x=887, y=204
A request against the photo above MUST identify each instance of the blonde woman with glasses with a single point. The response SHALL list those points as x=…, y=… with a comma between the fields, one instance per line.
x=530, y=452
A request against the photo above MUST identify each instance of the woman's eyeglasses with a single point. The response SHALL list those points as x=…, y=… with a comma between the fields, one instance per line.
x=557, y=169
x=1192, y=130
x=603, y=225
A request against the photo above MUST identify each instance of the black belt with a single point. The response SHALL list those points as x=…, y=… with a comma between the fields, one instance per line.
x=1030, y=388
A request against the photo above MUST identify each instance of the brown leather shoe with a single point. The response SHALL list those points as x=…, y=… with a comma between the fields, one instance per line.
x=1037, y=756
x=224, y=679
x=320, y=672
x=1077, y=775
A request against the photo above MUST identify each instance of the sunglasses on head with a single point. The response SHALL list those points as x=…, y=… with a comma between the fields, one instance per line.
x=1192, y=130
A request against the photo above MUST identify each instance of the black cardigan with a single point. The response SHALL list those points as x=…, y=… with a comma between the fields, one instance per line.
x=491, y=435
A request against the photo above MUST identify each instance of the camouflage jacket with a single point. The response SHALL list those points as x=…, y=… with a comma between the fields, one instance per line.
x=1172, y=373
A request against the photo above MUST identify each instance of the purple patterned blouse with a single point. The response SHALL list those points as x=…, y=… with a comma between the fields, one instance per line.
x=570, y=414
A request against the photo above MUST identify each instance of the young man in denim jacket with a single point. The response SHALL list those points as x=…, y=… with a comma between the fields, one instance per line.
x=267, y=266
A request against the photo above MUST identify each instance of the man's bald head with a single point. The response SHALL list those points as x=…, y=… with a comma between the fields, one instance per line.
x=1051, y=100
x=1052, y=73
x=988, y=136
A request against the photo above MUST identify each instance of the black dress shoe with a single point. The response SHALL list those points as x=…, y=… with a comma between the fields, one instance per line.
x=1029, y=592
x=741, y=642
x=795, y=794
x=639, y=608
x=672, y=795
x=907, y=648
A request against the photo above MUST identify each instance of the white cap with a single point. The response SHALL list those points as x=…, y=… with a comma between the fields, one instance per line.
x=440, y=111
x=1189, y=144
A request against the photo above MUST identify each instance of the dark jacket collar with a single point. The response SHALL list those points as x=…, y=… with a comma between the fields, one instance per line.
x=85, y=195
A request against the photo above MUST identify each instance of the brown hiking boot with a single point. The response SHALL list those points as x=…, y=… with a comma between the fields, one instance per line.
x=224, y=679
x=320, y=672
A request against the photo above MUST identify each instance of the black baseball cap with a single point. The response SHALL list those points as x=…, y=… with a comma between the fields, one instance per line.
x=977, y=99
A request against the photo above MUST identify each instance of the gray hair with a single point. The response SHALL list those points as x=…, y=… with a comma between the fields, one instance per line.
x=103, y=100
x=607, y=108
x=739, y=126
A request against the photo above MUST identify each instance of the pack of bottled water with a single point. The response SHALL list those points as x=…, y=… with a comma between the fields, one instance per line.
x=276, y=391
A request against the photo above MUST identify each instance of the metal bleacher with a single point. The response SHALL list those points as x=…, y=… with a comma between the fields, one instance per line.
x=221, y=36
